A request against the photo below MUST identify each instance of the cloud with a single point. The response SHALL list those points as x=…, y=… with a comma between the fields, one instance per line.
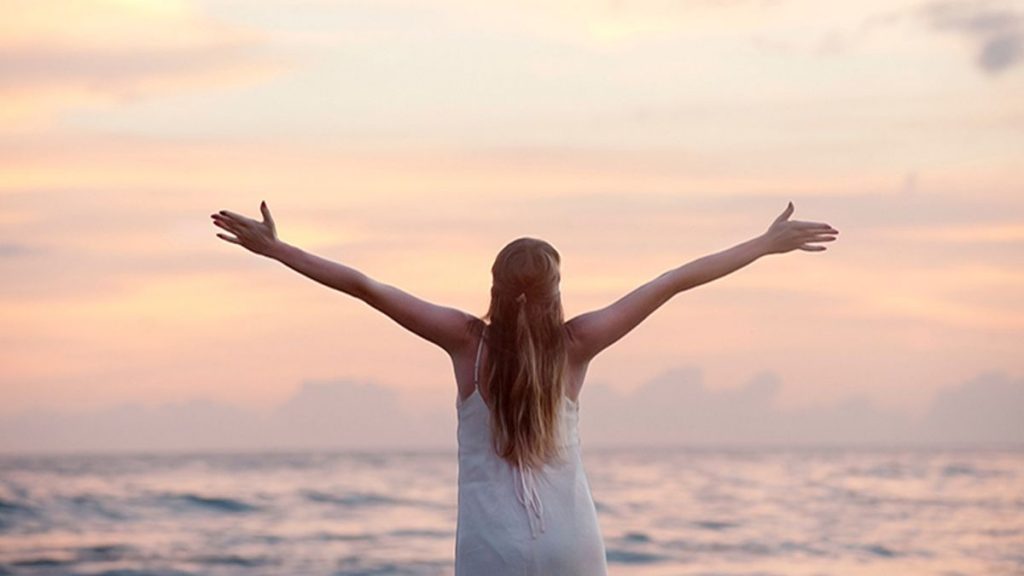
x=675, y=408
x=330, y=413
x=995, y=28
x=320, y=415
x=987, y=408
x=606, y=24
x=61, y=54
x=13, y=249
x=115, y=70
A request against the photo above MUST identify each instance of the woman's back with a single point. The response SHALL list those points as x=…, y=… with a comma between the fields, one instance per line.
x=522, y=522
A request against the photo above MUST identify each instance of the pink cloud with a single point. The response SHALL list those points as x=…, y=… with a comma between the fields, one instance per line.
x=57, y=55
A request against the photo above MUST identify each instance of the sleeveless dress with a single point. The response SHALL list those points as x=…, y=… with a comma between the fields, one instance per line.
x=514, y=522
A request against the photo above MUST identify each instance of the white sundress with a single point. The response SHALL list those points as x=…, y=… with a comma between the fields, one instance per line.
x=522, y=523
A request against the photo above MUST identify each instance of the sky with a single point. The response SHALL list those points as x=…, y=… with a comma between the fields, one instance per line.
x=412, y=140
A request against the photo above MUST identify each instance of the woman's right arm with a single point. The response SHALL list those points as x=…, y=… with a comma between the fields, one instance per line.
x=592, y=332
x=444, y=326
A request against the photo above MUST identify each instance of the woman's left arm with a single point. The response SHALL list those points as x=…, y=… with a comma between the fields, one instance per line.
x=446, y=327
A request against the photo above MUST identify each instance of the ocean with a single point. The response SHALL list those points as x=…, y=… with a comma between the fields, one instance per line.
x=665, y=511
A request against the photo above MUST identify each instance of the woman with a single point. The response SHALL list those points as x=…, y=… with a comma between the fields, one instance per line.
x=525, y=505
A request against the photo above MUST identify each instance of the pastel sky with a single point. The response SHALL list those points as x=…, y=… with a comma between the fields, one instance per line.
x=412, y=140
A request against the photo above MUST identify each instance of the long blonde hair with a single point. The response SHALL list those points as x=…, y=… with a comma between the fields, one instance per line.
x=526, y=353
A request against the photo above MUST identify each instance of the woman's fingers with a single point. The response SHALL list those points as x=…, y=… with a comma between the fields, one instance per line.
x=238, y=224
x=812, y=225
x=228, y=238
x=232, y=223
x=230, y=227
x=807, y=243
x=234, y=215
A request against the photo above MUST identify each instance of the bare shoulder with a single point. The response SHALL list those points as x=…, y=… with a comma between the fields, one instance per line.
x=577, y=362
x=575, y=347
x=471, y=333
x=464, y=355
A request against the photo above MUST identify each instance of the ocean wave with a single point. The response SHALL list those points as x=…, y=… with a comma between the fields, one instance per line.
x=880, y=550
x=964, y=469
x=42, y=562
x=743, y=548
x=715, y=525
x=338, y=537
x=105, y=552
x=132, y=572
x=353, y=500
x=13, y=513
x=235, y=560
x=636, y=537
x=97, y=506
x=8, y=507
x=210, y=503
x=616, y=556
x=359, y=566
x=368, y=499
x=421, y=533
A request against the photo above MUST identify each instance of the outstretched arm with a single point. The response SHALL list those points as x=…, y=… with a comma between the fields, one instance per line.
x=447, y=327
x=592, y=332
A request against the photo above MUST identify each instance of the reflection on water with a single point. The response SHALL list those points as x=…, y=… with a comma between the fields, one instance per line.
x=663, y=511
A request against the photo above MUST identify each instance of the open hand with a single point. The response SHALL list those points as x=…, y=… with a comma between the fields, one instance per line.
x=253, y=235
x=785, y=235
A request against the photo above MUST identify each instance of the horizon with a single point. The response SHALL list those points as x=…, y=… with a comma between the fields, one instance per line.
x=325, y=415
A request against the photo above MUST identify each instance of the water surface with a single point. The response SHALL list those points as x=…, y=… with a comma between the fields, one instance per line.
x=687, y=512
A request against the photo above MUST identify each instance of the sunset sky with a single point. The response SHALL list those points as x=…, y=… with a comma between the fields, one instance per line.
x=413, y=140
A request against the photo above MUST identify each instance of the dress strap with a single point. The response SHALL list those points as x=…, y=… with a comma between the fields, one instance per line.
x=476, y=366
